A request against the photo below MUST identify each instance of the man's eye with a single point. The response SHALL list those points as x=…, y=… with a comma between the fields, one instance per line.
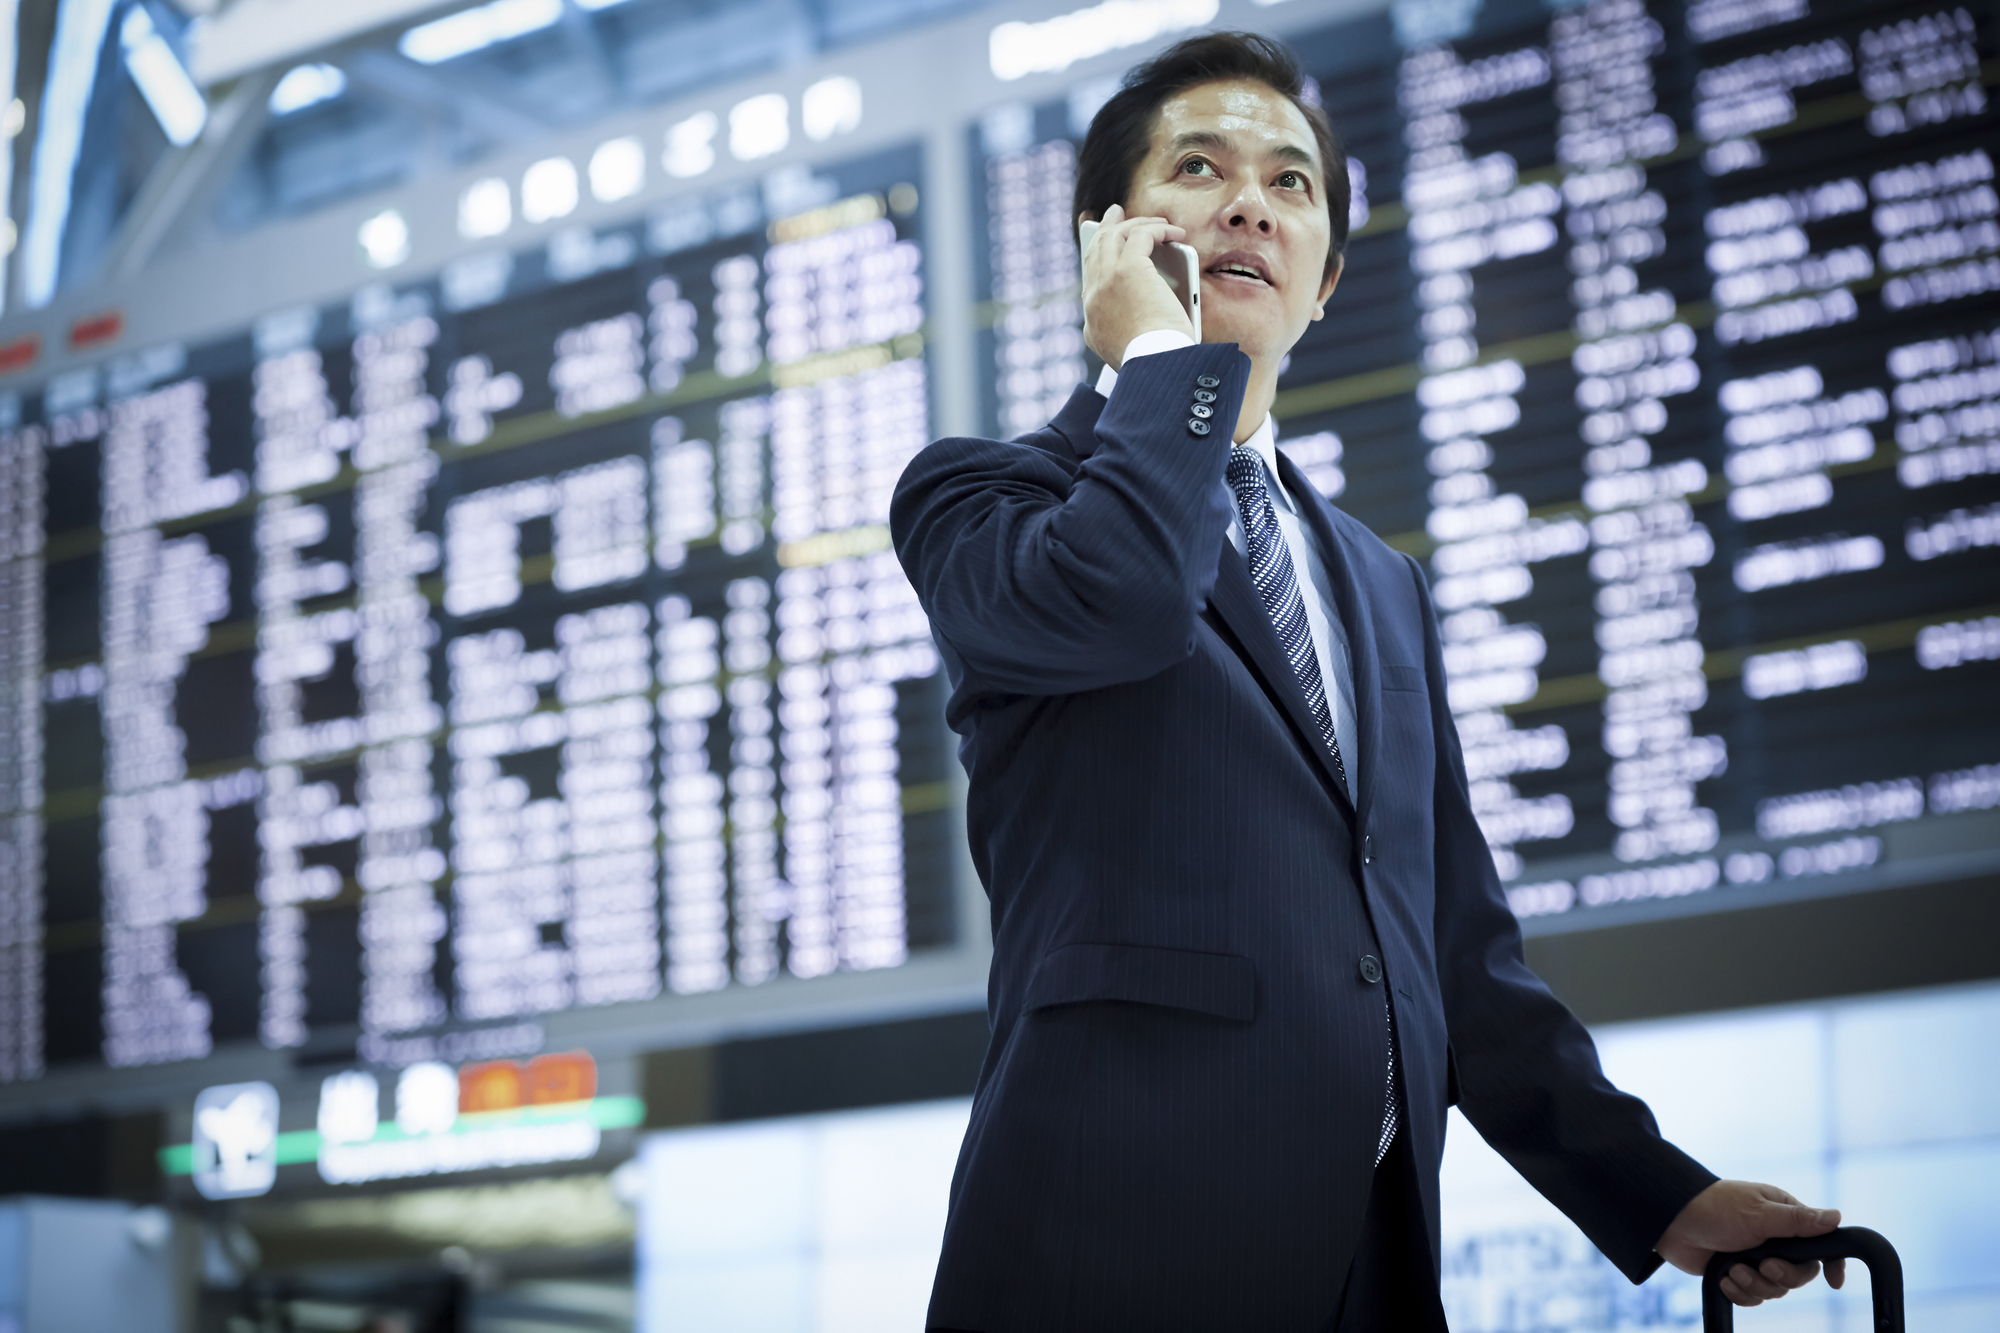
x=1194, y=166
x=1292, y=180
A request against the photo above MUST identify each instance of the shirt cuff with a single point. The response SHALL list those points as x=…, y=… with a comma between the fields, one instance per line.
x=1157, y=340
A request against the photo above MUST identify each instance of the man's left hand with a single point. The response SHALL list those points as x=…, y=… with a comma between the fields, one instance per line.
x=1738, y=1215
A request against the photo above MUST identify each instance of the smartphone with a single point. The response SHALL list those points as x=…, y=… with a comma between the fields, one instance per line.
x=1178, y=264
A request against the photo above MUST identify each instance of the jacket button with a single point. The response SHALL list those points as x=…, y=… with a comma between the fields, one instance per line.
x=1371, y=968
x=1207, y=381
x=1367, y=850
x=1197, y=426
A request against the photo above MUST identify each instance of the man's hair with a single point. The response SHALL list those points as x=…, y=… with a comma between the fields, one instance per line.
x=1121, y=134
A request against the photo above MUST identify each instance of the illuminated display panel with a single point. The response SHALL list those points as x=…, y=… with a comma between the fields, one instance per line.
x=1666, y=339
x=836, y=1220
x=473, y=650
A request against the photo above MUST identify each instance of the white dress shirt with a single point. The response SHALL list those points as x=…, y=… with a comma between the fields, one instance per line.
x=1329, y=636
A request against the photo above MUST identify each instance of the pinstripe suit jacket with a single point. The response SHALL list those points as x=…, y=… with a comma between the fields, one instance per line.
x=1177, y=1116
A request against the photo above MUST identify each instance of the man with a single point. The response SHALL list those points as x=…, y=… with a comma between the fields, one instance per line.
x=1248, y=940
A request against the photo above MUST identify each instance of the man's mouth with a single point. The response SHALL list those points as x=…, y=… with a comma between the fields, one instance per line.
x=1244, y=267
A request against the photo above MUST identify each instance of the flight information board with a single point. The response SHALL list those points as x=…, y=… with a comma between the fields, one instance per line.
x=523, y=639
x=1667, y=339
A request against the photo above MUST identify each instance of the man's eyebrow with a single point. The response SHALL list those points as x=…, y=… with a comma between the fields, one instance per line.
x=1219, y=143
x=1200, y=139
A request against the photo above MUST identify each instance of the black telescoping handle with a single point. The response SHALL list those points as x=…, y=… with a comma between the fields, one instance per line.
x=1885, y=1272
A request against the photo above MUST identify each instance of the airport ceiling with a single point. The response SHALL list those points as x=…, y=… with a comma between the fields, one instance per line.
x=327, y=102
x=401, y=108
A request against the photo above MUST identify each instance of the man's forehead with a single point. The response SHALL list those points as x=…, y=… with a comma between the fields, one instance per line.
x=1247, y=113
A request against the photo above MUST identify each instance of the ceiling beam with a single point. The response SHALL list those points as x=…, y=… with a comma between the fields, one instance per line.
x=254, y=34
x=189, y=174
x=444, y=93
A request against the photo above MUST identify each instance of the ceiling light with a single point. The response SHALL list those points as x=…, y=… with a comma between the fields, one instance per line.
x=759, y=126
x=548, y=190
x=163, y=81
x=691, y=145
x=485, y=209
x=830, y=107
x=385, y=239
x=306, y=85
x=617, y=169
x=475, y=29
x=1015, y=49
x=80, y=30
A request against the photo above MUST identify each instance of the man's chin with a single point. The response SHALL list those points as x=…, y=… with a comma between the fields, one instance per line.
x=1251, y=339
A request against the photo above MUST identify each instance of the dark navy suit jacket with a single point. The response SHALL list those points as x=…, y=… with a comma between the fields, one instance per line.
x=1177, y=1117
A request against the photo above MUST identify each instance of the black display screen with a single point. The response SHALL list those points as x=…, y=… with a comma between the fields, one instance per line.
x=1669, y=340
x=524, y=639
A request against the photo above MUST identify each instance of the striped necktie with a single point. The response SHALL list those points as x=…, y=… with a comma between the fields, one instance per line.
x=1277, y=585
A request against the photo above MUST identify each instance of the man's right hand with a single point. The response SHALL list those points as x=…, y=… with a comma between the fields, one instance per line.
x=1123, y=293
x=1738, y=1215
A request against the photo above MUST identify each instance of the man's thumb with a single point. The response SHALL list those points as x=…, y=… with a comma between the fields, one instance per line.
x=1798, y=1219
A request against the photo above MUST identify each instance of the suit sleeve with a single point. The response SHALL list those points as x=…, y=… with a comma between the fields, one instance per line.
x=1043, y=576
x=1528, y=1074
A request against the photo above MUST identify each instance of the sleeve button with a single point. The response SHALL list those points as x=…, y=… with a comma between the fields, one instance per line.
x=1197, y=425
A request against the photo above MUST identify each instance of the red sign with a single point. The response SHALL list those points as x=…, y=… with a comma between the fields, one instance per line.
x=19, y=354
x=546, y=1080
x=96, y=329
x=568, y=1077
x=493, y=1086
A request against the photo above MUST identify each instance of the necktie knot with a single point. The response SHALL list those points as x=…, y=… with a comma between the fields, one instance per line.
x=1245, y=474
x=1247, y=478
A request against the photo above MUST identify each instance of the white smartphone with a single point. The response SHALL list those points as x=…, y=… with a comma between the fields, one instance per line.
x=1178, y=264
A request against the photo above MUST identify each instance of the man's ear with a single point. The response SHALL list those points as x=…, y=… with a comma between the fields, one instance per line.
x=1326, y=288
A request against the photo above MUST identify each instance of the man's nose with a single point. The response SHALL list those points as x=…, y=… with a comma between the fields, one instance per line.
x=1250, y=210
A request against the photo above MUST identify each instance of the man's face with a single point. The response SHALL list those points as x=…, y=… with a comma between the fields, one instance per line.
x=1235, y=164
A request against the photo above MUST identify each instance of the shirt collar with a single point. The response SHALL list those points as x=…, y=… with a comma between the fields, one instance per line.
x=1264, y=441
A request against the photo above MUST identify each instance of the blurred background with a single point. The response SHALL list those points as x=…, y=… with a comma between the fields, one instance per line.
x=479, y=844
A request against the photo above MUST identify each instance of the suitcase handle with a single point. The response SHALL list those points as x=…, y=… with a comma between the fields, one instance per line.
x=1885, y=1272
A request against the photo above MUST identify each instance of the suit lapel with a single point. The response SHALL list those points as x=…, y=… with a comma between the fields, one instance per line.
x=1357, y=616
x=1235, y=601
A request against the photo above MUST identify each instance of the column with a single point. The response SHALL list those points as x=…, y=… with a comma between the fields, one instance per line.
x=607, y=782
x=160, y=596
x=300, y=438
x=398, y=868
x=21, y=482
x=848, y=625
x=508, y=830
x=691, y=796
x=1466, y=212
x=1038, y=323
x=683, y=492
x=1633, y=354
x=758, y=898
